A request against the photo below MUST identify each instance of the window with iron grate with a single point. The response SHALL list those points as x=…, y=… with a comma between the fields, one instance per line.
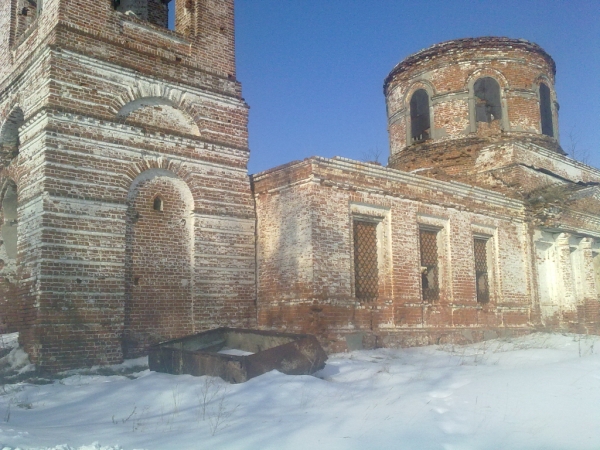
x=482, y=281
x=366, y=272
x=428, y=241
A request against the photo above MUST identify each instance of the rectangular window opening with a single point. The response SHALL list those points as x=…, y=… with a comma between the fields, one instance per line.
x=482, y=283
x=428, y=243
x=171, y=15
x=366, y=271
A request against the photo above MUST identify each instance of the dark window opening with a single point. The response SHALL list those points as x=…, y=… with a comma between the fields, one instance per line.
x=27, y=12
x=366, y=272
x=158, y=204
x=428, y=241
x=488, y=106
x=546, y=110
x=481, y=271
x=154, y=11
x=420, y=122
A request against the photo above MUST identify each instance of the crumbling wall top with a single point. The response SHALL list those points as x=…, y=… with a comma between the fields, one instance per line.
x=455, y=47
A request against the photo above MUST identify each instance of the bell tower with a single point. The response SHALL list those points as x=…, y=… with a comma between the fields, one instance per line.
x=124, y=151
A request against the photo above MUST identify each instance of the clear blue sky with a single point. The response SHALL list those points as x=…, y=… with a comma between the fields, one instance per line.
x=312, y=71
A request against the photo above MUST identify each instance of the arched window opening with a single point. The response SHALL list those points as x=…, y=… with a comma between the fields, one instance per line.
x=158, y=204
x=546, y=110
x=153, y=11
x=488, y=106
x=420, y=123
x=9, y=136
x=9, y=217
x=27, y=12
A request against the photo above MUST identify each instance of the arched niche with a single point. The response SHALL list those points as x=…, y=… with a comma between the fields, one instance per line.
x=159, y=261
x=546, y=116
x=158, y=112
x=10, y=220
x=9, y=135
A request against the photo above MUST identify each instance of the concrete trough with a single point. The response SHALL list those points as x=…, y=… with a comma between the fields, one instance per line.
x=236, y=355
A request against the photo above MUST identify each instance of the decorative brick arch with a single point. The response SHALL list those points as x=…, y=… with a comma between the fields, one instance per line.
x=177, y=168
x=419, y=84
x=154, y=172
x=486, y=72
x=175, y=97
x=543, y=78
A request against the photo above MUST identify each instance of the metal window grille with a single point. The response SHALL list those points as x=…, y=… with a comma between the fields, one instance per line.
x=481, y=271
x=366, y=274
x=429, y=265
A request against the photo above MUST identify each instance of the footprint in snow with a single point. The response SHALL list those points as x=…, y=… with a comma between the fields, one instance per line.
x=440, y=394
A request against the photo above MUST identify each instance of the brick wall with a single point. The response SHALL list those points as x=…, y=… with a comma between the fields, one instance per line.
x=101, y=112
x=108, y=102
x=312, y=236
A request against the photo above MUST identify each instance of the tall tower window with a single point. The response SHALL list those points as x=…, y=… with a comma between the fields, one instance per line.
x=420, y=123
x=546, y=110
x=488, y=106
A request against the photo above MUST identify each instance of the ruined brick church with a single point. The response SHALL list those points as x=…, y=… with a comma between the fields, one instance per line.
x=128, y=215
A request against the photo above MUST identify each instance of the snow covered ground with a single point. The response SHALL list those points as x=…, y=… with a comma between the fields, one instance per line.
x=536, y=392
